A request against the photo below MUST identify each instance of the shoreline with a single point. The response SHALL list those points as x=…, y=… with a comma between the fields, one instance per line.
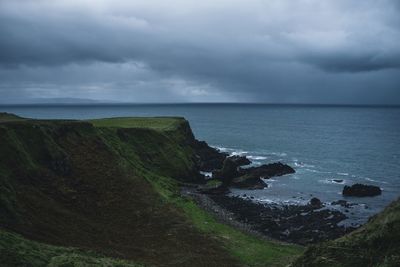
x=287, y=224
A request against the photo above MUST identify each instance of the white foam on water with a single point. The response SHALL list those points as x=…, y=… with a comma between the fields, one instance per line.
x=343, y=173
x=256, y=157
x=303, y=165
x=316, y=171
x=279, y=154
x=331, y=181
x=376, y=181
x=238, y=153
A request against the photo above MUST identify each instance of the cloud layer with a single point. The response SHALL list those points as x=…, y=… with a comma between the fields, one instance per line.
x=304, y=51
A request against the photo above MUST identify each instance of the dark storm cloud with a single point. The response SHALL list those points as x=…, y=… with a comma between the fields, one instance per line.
x=285, y=51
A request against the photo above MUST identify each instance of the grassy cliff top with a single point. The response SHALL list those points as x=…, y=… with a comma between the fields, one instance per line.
x=156, y=123
x=4, y=116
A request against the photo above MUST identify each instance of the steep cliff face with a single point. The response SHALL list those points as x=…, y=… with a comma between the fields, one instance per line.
x=375, y=244
x=87, y=185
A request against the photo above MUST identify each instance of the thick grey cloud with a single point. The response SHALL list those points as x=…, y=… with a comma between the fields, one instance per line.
x=338, y=51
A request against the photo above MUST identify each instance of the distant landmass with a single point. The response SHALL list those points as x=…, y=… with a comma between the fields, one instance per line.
x=56, y=100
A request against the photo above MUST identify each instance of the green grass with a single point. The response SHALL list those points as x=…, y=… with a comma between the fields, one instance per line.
x=249, y=250
x=213, y=183
x=121, y=198
x=376, y=244
x=155, y=123
x=18, y=251
x=4, y=117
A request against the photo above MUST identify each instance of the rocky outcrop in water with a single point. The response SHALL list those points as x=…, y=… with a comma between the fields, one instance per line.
x=231, y=174
x=208, y=158
x=361, y=190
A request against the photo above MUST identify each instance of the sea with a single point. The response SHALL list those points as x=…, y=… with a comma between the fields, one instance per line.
x=328, y=146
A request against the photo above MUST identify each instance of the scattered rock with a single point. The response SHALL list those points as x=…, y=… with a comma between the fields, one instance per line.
x=228, y=172
x=316, y=203
x=249, y=183
x=208, y=158
x=215, y=190
x=267, y=170
x=240, y=160
x=291, y=223
x=361, y=190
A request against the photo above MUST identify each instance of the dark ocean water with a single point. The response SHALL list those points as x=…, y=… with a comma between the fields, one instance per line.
x=354, y=144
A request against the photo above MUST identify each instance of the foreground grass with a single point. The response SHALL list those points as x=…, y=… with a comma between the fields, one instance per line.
x=376, y=244
x=18, y=251
x=249, y=250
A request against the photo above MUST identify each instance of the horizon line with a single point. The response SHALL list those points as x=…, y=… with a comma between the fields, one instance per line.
x=99, y=103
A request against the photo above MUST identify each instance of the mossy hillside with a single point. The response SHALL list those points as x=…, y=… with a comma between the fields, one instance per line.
x=4, y=116
x=161, y=144
x=18, y=251
x=103, y=189
x=78, y=191
x=376, y=244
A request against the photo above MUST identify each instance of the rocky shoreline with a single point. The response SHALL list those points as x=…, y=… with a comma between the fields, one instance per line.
x=300, y=224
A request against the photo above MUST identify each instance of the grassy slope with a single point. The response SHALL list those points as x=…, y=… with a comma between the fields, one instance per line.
x=72, y=184
x=376, y=244
x=4, y=116
x=18, y=251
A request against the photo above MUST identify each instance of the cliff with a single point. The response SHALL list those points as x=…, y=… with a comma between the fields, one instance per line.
x=105, y=192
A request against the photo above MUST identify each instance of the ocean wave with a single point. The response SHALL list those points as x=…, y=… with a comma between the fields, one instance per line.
x=256, y=157
x=303, y=165
x=231, y=151
x=332, y=181
x=238, y=153
x=279, y=154
x=316, y=171
x=376, y=181
x=343, y=173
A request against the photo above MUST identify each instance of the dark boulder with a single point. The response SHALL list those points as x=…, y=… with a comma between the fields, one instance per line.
x=337, y=180
x=267, y=170
x=240, y=160
x=342, y=203
x=249, y=183
x=361, y=190
x=228, y=172
x=208, y=158
x=316, y=203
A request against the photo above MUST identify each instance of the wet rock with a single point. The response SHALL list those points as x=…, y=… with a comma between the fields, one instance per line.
x=228, y=172
x=240, y=160
x=267, y=170
x=361, y=190
x=215, y=190
x=316, y=203
x=208, y=158
x=300, y=224
x=249, y=183
x=337, y=180
x=343, y=203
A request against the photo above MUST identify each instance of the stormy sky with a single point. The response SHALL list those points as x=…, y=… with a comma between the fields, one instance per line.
x=274, y=51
